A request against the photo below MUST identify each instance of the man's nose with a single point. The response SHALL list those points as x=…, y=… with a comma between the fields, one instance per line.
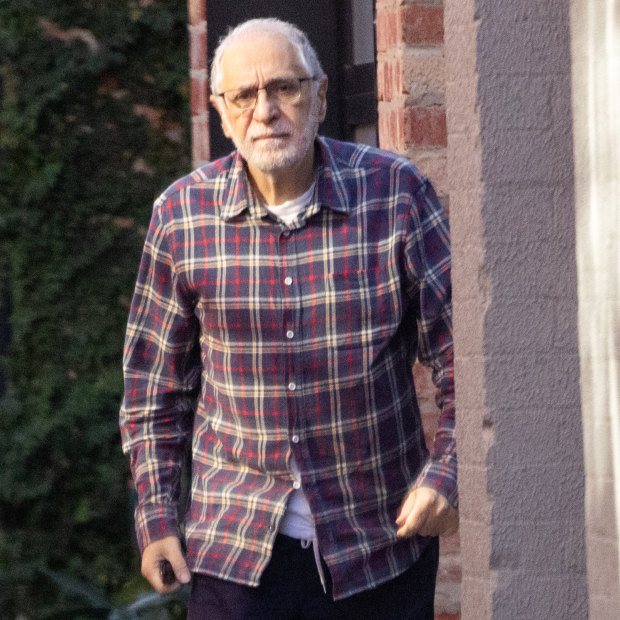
x=266, y=108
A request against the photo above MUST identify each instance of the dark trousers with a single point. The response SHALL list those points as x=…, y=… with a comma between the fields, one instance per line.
x=290, y=589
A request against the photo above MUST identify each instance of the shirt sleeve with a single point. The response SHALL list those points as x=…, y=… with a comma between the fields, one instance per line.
x=161, y=367
x=428, y=253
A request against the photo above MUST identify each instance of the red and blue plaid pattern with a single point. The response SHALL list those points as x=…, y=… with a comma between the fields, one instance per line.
x=256, y=340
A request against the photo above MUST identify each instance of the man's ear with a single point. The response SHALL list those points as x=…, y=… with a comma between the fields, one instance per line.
x=322, y=95
x=218, y=104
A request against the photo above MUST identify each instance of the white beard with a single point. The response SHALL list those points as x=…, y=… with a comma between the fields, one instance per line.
x=270, y=155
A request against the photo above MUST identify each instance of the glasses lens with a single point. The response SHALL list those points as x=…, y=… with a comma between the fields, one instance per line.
x=285, y=90
x=242, y=98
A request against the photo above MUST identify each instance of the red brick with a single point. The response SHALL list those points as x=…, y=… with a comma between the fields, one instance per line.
x=198, y=47
x=200, y=139
x=422, y=25
x=388, y=81
x=197, y=11
x=382, y=81
x=426, y=126
x=387, y=30
x=380, y=69
x=383, y=130
x=380, y=32
x=393, y=127
x=450, y=551
x=398, y=75
x=199, y=94
x=391, y=122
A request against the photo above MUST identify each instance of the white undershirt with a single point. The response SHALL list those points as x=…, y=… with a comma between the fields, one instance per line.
x=289, y=210
x=298, y=521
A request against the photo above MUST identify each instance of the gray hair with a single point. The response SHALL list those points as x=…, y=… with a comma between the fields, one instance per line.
x=307, y=54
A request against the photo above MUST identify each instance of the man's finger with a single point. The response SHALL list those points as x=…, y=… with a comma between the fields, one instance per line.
x=412, y=515
x=428, y=513
x=163, y=565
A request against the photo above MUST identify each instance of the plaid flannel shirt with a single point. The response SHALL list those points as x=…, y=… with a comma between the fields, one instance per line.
x=256, y=340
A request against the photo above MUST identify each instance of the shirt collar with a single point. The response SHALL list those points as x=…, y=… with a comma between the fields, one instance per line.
x=330, y=192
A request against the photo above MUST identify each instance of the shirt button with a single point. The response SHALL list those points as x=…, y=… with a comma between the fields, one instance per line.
x=295, y=438
x=297, y=484
x=288, y=280
x=286, y=233
x=289, y=334
x=292, y=386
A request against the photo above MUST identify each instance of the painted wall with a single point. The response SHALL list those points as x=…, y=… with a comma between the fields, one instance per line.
x=596, y=110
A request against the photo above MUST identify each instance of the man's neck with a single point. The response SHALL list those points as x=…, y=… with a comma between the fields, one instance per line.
x=278, y=186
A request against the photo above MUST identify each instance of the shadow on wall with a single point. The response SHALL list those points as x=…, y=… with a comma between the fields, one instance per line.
x=596, y=112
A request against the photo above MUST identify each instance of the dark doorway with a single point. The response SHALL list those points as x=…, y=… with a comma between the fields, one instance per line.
x=336, y=28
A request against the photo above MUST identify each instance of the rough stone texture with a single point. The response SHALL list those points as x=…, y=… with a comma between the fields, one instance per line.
x=471, y=297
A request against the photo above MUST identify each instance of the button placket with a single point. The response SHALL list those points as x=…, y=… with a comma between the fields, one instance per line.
x=292, y=333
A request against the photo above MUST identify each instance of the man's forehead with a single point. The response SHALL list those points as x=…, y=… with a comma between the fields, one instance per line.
x=255, y=52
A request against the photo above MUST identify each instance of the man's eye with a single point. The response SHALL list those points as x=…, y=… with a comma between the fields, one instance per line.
x=243, y=96
x=286, y=87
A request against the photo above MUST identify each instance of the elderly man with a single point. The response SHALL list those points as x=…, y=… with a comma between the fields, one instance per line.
x=283, y=295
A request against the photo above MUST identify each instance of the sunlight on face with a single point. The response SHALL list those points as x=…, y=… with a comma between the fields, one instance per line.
x=272, y=136
x=269, y=154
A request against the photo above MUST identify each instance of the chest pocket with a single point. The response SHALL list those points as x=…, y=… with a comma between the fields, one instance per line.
x=363, y=308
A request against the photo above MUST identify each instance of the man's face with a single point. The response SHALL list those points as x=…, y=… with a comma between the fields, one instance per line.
x=271, y=136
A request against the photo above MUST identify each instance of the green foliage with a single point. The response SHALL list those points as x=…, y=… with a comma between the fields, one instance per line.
x=94, y=123
x=88, y=602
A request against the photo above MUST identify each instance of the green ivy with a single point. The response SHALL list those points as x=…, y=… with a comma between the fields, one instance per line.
x=94, y=123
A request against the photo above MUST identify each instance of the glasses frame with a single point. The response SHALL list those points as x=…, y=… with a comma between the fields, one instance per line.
x=234, y=108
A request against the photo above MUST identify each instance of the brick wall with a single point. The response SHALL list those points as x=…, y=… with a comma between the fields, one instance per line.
x=411, y=84
x=412, y=121
x=199, y=80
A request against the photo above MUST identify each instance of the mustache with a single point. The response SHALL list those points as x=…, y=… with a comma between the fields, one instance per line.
x=281, y=128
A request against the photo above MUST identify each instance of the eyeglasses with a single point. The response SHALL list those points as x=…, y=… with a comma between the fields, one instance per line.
x=284, y=90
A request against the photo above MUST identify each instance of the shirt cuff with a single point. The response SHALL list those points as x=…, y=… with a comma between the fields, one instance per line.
x=154, y=522
x=440, y=476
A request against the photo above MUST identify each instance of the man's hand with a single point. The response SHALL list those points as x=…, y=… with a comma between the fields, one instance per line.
x=155, y=554
x=428, y=513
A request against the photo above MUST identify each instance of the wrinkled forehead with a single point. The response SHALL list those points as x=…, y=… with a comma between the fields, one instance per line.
x=254, y=57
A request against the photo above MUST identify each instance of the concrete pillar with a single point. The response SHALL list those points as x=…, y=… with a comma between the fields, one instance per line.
x=519, y=431
x=470, y=301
